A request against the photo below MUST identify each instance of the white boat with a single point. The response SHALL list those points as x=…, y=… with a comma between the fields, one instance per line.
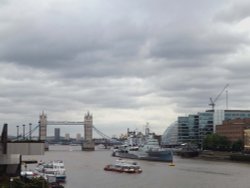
x=52, y=168
x=29, y=174
x=124, y=166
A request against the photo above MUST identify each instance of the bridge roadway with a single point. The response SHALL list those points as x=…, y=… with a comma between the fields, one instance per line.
x=65, y=123
x=108, y=140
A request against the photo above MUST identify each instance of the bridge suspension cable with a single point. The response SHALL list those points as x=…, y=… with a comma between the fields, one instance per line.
x=33, y=130
x=101, y=133
x=26, y=134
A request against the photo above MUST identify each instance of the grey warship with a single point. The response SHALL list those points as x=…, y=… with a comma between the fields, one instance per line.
x=149, y=150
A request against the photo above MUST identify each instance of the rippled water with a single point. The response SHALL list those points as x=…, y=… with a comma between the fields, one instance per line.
x=85, y=170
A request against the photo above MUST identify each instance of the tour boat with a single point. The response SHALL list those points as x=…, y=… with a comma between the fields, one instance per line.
x=124, y=166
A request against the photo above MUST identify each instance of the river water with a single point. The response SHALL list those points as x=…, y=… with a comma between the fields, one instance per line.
x=85, y=170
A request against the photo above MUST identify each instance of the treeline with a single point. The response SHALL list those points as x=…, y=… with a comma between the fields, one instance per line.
x=221, y=143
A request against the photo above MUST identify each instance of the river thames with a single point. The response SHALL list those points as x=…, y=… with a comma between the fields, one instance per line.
x=85, y=170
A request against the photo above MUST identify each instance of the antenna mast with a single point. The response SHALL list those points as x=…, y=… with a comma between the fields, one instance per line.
x=226, y=99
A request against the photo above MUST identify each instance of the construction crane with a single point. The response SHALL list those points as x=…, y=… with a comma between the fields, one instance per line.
x=212, y=101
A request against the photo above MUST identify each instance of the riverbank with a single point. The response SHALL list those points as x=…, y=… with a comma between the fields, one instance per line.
x=223, y=156
x=214, y=155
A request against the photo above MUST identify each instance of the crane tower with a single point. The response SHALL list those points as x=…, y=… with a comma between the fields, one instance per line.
x=212, y=101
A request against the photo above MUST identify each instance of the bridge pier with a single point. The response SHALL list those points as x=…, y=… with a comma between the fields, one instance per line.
x=88, y=144
x=43, y=130
x=43, y=127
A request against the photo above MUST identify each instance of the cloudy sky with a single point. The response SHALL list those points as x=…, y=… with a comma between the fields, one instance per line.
x=127, y=62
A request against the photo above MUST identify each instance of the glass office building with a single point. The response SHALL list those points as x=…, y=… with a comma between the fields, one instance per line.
x=183, y=130
x=170, y=135
x=194, y=128
x=188, y=129
x=205, y=125
x=57, y=134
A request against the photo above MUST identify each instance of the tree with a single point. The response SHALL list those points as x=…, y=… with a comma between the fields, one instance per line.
x=33, y=183
x=216, y=142
x=237, y=145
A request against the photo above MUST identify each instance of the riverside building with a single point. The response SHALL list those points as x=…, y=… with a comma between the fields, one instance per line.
x=169, y=137
x=67, y=136
x=57, y=136
x=194, y=127
x=233, y=129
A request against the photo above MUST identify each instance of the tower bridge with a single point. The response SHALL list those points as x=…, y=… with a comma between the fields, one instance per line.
x=88, y=144
x=65, y=123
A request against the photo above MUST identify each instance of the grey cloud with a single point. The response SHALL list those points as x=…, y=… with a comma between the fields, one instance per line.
x=121, y=57
x=234, y=12
x=51, y=43
x=56, y=42
x=198, y=46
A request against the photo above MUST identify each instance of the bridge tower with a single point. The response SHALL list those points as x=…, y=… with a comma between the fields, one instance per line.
x=43, y=127
x=88, y=144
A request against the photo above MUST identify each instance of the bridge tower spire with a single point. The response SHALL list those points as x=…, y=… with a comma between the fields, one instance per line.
x=88, y=144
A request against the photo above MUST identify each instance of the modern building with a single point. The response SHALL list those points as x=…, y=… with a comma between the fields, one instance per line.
x=57, y=134
x=67, y=136
x=194, y=127
x=205, y=125
x=78, y=137
x=170, y=135
x=183, y=130
x=188, y=129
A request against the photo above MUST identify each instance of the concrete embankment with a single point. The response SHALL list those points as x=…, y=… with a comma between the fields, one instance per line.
x=224, y=156
x=215, y=155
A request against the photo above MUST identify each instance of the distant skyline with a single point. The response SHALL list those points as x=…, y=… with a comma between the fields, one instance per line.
x=126, y=62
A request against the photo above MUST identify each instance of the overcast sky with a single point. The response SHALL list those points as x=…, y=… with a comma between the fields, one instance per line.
x=127, y=62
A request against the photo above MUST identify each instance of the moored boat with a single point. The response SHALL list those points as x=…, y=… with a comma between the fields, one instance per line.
x=150, y=150
x=52, y=168
x=29, y=174
x=187, y=150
